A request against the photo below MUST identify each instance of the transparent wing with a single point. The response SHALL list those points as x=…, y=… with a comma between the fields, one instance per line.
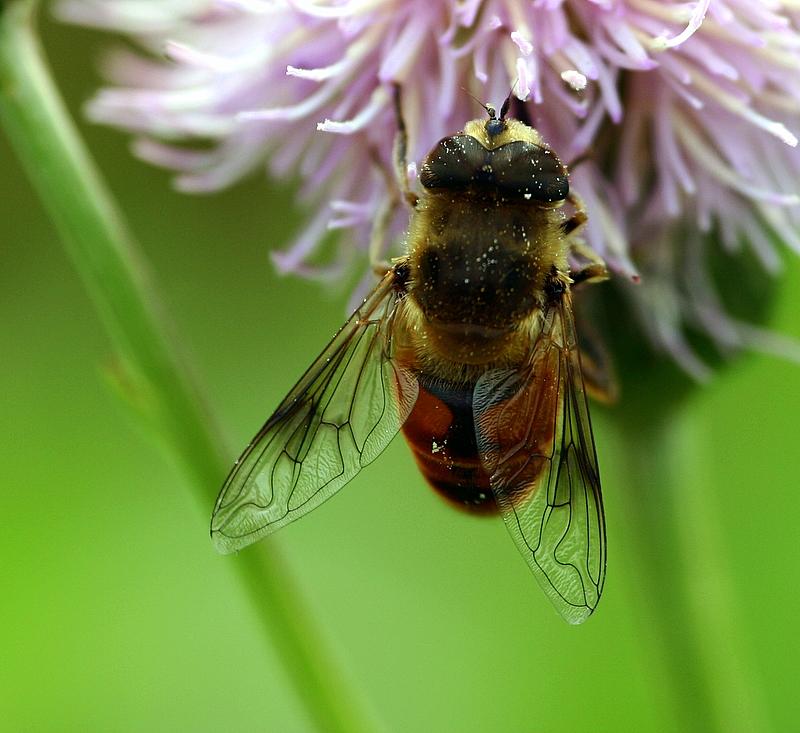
x=535, y=440
x=337, y=419
x=599, y=374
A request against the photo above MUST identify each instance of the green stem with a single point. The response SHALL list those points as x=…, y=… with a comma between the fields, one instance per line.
x=117, y=278
x=680, y=573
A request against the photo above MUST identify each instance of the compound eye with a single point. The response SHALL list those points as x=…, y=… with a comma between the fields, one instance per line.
x=531, y=171
x=453, y=163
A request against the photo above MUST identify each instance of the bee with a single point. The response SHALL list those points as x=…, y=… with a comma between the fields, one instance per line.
x=468, y=345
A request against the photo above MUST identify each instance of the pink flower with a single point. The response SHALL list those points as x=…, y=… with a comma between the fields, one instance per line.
x=690, y=111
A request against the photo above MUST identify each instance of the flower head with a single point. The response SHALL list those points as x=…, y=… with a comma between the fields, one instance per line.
x=690, y=111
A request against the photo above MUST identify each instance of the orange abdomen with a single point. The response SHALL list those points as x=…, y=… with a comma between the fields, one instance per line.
x=441, y=433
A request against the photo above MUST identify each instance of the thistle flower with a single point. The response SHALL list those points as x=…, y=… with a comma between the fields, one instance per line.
x=690, y=111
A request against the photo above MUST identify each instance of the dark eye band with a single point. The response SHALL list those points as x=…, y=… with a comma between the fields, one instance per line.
x=518, y=168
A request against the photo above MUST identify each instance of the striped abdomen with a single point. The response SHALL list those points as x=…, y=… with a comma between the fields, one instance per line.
x=441, y=433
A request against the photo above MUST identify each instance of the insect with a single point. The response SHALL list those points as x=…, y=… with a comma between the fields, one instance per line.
x=467, y=344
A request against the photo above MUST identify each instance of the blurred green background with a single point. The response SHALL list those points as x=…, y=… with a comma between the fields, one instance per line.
x=116, y=614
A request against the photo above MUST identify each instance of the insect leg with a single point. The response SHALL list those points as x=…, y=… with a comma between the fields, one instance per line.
x=595, y=270
x=396, y=188
x=380, y=229
x=579, y=218
x=400, y=156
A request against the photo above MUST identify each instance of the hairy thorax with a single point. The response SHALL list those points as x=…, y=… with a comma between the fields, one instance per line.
x=479, y=267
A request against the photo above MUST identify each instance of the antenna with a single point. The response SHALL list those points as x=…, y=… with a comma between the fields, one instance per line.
x=507, y=103
x=490, y=110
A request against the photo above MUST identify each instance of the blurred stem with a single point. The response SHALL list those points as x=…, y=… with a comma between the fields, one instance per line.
x=681, y=574
x=115, y=274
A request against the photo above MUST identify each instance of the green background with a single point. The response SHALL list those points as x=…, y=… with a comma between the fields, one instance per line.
x=116, y=614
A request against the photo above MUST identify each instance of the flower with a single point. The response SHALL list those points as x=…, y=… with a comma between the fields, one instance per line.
x=690, y=111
